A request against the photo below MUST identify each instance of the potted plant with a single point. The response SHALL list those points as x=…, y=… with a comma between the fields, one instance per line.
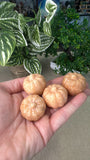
x=71, y=46
x=20, y=37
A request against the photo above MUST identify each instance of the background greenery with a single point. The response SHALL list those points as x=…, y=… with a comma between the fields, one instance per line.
x=73, y=39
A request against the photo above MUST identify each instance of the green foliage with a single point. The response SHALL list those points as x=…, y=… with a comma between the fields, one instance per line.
x=21, y=39
x=51, y=8
x=32, y=65
x=7, y=45
x=79, y=64
x=73, y=38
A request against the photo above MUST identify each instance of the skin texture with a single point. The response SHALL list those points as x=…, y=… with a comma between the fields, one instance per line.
x=55, y=95
x=33, y=107
x=75, y=83
x=34, y=84
x=21, y=139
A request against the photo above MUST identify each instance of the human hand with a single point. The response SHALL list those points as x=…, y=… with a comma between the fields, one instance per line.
x=21, y=139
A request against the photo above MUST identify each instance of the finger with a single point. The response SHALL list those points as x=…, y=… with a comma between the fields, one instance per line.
x=24, y=94
x=63, y=114
x=13, y=86
x=57, y=80
x=87, y=91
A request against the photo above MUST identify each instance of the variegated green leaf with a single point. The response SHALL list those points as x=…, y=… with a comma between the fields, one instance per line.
x=9, y=13
x=32, y=65
x=35, y=36
x=7, y=45
x=21, y=22
x=12, y=20
x=29, y=19
x=49, y=17
x=46, y=41
x=9, y=23
x=20, y=39
x=47, y=28
x=38, y=17
x=51, y=8
x=33, y=53
x=28, y=32
x=15, y=59
x=6, y=6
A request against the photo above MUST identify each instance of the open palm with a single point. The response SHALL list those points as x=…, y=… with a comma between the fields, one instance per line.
x=21, y=139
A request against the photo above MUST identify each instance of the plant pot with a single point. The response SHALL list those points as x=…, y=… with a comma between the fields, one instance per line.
x=54, y=67
x=18, y=71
